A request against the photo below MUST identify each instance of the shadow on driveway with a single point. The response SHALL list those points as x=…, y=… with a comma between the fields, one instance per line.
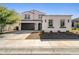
x=18, y=32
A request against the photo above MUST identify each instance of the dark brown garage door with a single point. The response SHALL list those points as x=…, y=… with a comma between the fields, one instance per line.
x=27, y=26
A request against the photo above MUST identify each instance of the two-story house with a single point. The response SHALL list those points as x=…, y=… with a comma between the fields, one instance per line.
x=31, y=20
x=36, y=20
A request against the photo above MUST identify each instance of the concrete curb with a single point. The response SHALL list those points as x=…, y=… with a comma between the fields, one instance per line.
x=59, y=51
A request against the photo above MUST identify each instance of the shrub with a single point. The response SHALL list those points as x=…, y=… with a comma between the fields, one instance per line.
x=50, y=32
x=73, y=28
x=77, y=28
x=67, y=31
x=42, y=32
x=59, y=31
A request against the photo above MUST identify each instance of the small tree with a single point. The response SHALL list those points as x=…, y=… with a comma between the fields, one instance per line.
x=7, y=17
x=13, y=19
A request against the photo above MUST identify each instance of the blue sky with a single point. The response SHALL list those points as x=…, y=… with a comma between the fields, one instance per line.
x=49, y=8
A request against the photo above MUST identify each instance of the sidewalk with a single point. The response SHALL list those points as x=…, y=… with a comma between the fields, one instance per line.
x=38, y=47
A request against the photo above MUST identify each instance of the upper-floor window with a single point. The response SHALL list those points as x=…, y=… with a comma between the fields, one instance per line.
x=62, y=23
x=40, y=16
x=27, y=16
x=50, y=23
x=45, y=20
x=68, y=20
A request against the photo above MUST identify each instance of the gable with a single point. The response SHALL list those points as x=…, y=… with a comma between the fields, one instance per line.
x=33, y=12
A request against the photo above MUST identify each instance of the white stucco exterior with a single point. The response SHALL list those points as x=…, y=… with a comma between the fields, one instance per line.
x=56, y=23
x=34, y=18
x=34, y=15
x=37, y=17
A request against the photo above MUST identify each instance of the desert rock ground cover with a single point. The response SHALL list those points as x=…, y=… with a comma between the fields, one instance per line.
x=58, y=36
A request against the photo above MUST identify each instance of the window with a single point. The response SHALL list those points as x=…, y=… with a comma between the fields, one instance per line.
x=50, y=23
x=62, y=23
x=72, y=24
x=25, y=16
x=42, y=21
x=45, y=20
x=40, y=16
x=68, y=20
x=28, y=16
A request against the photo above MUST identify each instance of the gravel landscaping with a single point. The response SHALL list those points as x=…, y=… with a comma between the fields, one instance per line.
x=64, y=35
x=34, y=35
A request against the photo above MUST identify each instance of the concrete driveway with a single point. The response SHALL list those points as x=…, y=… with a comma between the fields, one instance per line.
x=16, y=35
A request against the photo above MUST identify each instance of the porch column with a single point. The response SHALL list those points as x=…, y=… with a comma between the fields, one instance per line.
x=20, y=26
x=36, y=26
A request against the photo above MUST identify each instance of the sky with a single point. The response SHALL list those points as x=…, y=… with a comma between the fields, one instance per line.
x=48, y=8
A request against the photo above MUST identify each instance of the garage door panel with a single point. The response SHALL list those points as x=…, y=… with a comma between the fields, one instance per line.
x=27, y=26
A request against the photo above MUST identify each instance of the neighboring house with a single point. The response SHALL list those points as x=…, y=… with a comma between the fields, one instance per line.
x=35, y=20
x=75, y=23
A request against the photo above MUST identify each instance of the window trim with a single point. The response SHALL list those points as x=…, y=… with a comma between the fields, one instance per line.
x=45, y=20
x=25, y=16
x=51, y=23
x=64, y=23
x=63, y=27
x=50, y=27
x=28, y=16
x=39, y=16
x=68, y=20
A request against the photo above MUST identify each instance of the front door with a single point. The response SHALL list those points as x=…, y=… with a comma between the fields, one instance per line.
x=39, y=26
